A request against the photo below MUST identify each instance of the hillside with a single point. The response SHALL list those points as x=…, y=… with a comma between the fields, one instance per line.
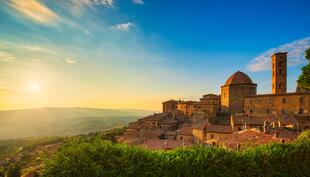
x=63, y=121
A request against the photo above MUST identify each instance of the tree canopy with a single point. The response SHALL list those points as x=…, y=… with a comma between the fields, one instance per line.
x=304, y=78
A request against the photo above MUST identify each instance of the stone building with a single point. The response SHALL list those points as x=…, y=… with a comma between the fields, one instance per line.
x=237, y=86
x=280, y=105
x=170, y=106
x=209, y=104
x=235, y=119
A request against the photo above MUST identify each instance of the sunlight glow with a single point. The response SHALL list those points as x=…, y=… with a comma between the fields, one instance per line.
x=34, y=87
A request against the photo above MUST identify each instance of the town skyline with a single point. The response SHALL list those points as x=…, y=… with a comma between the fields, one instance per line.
x=121, y=55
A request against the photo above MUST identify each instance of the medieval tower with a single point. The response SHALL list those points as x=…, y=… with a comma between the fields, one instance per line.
x=279, y=72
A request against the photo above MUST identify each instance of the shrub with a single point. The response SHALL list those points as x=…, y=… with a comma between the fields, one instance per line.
x=102, y=158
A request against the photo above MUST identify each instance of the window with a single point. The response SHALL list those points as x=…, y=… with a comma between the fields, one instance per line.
x=280, y=71
x=283, y=111
x=280, y=85
x=251, y=111
x=272, y=86
x=272, y=65
x=270, y=101
x=211, y=136
x=267, y=111
x=281, y=63
x=283, y=100
x=301, y=100
x=300, y=111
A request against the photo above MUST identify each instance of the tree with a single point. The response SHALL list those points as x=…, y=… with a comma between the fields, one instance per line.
x=308, y=54
x=304, y=78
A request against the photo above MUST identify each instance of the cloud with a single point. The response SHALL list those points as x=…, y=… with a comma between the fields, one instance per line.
x=295, y=49
x=35, y=48
x=124, y=26
x=6, y=91
x=35, y=11
x=102, y=2
x=70, y=61
x=139, y=2
x=6, y=57
x=77, y=7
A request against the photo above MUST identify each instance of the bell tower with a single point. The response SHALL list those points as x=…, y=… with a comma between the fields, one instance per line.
x=279, y=72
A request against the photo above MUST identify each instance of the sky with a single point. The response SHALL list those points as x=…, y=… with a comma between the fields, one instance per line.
x=135, y=54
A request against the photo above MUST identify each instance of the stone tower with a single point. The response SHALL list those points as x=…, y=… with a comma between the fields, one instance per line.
x=279, y=72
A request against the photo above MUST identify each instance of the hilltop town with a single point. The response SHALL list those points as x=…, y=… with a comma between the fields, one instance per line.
x=235, y=119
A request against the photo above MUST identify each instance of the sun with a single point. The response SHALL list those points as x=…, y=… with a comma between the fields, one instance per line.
x=34, y=86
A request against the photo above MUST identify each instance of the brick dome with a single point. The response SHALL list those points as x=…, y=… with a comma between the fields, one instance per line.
x=238, y=78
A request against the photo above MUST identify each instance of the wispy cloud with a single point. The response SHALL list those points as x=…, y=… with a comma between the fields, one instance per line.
x=8, y=91
x=34, y=10
x=295, y=49
x=70, y=60
x=139, y=2
x=6, y=57
x=102, y=2
x=77, y=7
x=124, y=26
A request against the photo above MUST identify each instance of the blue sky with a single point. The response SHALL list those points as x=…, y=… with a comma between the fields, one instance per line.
x=138, y=53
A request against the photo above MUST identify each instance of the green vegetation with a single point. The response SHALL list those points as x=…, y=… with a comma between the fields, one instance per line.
x=27, y=156
x=63, y=121
x=97, y=157
x=304, y=78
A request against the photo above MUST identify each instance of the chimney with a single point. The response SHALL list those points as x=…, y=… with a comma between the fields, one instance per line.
x=265, y=126
x=276, y=135
x=232, y=121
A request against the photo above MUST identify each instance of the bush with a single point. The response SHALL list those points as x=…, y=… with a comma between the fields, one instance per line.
x=102, y=158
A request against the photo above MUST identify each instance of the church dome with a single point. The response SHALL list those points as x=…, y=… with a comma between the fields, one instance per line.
x=238, y=78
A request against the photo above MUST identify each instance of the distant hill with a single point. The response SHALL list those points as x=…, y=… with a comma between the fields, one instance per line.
x=63, y=121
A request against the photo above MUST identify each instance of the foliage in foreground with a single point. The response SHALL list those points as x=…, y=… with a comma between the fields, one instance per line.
x=102, y=158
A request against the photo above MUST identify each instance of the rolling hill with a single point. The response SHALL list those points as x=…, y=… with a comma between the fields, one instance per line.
x=63, y=121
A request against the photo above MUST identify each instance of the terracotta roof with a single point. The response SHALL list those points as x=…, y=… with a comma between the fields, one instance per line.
x=134, y=125
x=219, y=129
x=150, y=133
x=200, y=124
x=187, y=130
x=164, y=144
x=286, y=134
x=128, y=135
x=211, y=95
x=239, y=120
x=249, y=137
x=172, y=133
x=238, y=78
x=170, y=101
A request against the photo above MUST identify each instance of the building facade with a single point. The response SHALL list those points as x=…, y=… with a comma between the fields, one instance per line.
x=237, y=86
